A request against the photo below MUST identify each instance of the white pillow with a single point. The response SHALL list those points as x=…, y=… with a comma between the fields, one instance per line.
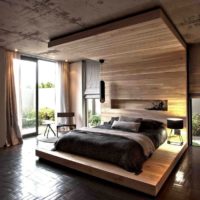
x=126, y=126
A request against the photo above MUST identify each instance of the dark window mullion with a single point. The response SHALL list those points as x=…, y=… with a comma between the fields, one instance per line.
x=37, y=99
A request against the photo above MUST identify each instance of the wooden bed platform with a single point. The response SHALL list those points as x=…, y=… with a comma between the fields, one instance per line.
x=155, y=170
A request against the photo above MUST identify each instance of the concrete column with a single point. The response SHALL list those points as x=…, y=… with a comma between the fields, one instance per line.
x=76, y=92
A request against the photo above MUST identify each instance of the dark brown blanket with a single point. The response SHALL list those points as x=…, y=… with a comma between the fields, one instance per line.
x=118, y=150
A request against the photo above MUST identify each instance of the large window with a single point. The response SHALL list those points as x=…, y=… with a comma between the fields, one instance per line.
x=35, y=91
x=25, y=79
x=93, y=112
x=47, y=93
x=195, y=121
x=93, y=107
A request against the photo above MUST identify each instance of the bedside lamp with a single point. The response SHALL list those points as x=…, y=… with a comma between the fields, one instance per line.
x=175, y=124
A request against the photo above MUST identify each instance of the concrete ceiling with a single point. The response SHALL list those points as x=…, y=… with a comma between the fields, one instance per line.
x=28, y=25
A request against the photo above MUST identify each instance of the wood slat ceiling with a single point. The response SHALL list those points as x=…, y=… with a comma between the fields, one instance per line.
x=132, y=41
x=29, y=25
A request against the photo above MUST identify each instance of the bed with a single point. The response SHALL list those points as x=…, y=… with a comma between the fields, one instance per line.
x=125, y=142
x=148, y=172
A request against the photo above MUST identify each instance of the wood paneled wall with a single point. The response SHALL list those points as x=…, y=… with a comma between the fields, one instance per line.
x=153, y=69
x=160, y=76
x=145, y=59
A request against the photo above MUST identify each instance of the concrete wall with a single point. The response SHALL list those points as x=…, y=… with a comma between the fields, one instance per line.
x=44, y=94
x=2, y=98
x=76, y=92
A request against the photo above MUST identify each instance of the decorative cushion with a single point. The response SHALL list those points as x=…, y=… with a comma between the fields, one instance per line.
x=126, y=126
x=129, y=119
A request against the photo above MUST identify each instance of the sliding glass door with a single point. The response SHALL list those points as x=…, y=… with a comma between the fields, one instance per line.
x=195, y=104
x=35, y=91
x=25, y=81
x=47, y=94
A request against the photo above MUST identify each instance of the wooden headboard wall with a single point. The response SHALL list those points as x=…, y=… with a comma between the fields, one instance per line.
x=154, y=68
x=156, y=77
x=145, y=62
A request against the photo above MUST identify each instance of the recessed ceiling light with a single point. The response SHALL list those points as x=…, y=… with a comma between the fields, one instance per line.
x=16, y=50
x=66, y=60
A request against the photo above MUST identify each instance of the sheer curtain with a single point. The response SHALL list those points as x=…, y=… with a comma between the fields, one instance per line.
x=17, y=77
x=13, y=135
x=62, y=88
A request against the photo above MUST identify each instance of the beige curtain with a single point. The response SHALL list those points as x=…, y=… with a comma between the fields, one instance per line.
x=13, y=136
x=2, y=97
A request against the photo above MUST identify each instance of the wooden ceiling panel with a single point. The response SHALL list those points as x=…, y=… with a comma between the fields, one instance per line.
x=152, y=37
x=29, y=25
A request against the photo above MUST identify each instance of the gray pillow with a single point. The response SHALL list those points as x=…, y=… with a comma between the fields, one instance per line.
x=113, y=119
x=129, y=119
x=126, y=126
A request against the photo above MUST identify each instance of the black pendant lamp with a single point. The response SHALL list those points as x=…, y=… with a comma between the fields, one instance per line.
x=102, y=86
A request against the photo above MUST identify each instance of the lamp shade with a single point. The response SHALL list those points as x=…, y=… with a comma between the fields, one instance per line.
x=175, y=123
x=102, y=91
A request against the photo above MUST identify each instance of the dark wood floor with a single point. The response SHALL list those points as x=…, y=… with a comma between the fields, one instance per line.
x=23, y=176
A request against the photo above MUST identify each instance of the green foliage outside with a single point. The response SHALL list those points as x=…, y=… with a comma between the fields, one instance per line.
x=196, y=124
x=195, y=144
x=29, y=117
x=47, y=85
x=46, y=114
x=94, y=120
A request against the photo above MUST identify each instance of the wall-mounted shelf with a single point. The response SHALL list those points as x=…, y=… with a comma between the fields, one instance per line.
x=139, y=104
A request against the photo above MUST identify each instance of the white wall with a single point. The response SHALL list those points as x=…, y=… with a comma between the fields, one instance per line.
x=44, y=94
x=196, y=106
x=2, y=98
x=76, y=92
